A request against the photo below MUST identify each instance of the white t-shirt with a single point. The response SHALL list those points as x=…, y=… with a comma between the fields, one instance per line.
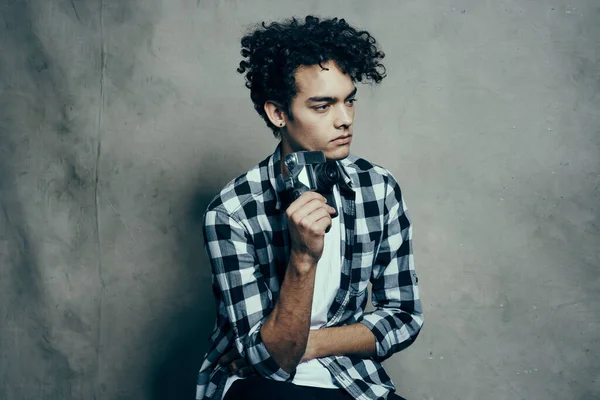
x=327, y=284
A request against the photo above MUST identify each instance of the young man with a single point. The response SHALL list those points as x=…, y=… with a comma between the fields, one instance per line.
x=290, y=280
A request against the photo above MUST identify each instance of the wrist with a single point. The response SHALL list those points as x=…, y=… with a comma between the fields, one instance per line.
x=311, y=346
x=302, y=261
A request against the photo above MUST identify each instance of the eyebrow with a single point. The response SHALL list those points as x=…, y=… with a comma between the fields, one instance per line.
x=331, y=99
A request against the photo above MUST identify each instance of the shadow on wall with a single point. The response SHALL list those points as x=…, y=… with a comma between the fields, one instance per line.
x=186, y=334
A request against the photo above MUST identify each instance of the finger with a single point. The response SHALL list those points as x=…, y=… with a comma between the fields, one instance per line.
x=226, y=358
x=315, y=216
x=245, y=372
x=308, y=222
x=238, y=364
x=229, y=356
x=322, y=227
x=304, y=199
x=318, y=221
x=306, y=210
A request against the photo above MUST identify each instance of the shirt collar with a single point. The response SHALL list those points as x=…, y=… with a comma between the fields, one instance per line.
x=276, y=178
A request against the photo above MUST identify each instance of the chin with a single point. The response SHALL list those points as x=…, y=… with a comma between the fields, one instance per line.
x=338, y=154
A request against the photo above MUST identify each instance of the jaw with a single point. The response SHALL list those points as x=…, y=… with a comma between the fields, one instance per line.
x=333, y=151
x=338, y=153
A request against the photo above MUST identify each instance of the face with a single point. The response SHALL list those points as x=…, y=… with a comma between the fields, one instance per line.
x=323, y=112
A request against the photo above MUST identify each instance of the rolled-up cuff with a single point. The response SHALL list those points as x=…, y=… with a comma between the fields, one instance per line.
x=262, y=361
x=380, y=328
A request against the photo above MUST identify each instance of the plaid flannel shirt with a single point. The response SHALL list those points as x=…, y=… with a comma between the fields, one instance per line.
x=247, y=241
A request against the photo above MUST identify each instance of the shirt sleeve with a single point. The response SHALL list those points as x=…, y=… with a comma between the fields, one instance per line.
x=398, y=316
x=242, y=288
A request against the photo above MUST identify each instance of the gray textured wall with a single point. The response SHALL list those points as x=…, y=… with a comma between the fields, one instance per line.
x=119, y=120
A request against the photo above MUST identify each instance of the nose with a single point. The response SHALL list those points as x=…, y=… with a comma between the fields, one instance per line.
x=344, y=116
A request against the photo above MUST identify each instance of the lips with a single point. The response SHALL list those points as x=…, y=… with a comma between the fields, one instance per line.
x=344, y=138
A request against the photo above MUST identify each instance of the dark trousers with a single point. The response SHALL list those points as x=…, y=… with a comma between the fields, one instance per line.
x=258, y=388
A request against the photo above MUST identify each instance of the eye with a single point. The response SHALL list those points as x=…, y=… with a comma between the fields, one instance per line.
x=351, y=101
x=321, y=108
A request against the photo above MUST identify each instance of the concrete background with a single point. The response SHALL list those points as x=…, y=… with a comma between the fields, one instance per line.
x=119, y=120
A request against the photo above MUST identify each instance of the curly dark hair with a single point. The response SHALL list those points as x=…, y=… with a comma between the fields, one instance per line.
x=274, y=52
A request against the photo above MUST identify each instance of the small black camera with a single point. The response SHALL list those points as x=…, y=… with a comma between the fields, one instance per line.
x=310, y=170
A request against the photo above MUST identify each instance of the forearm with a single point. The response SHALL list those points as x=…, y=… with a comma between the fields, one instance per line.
x=355, y=339
x=285, y=333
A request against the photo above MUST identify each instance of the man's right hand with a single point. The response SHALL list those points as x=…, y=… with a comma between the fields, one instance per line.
x=309, y=217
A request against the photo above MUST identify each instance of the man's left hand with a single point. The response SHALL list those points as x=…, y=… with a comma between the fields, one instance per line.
x=236, y=363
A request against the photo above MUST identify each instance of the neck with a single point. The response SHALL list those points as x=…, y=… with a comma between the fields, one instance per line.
x=285, y=149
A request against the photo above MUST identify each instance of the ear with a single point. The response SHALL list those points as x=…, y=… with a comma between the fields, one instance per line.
x=275, y=113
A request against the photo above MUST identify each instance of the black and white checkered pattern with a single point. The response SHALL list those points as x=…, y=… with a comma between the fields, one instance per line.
x=247, y=240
